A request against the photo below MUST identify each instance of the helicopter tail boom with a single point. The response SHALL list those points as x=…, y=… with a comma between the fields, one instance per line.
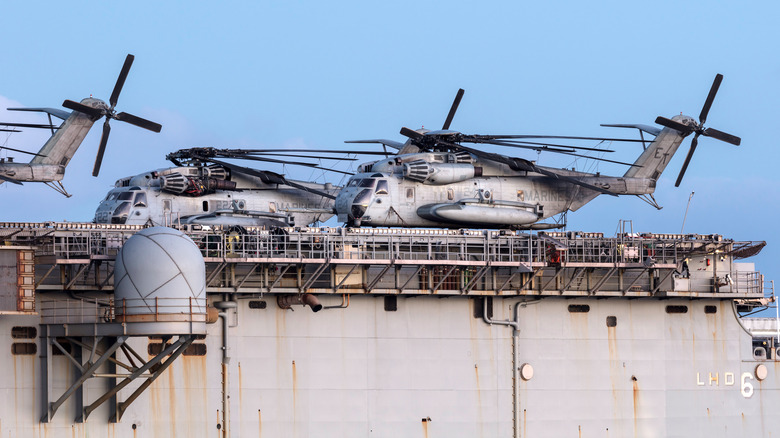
x=656, y=157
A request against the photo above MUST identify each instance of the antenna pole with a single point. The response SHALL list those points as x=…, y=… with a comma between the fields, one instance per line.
x=686, y=212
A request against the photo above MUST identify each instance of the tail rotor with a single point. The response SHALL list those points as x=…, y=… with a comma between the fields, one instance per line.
x=699, y=129
x=109, y=113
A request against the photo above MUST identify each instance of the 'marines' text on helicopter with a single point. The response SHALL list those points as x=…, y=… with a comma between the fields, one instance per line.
x=436, y=181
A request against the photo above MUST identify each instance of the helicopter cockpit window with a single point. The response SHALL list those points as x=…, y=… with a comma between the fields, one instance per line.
x=120, y=213
x=362, y=197
x=368, y=182
x=382, y=188
x=140, y=200
x=125, y=196
x=354, y=182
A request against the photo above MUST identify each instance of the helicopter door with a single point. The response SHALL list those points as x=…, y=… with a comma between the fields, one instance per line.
x=170, y=212
x=409, y=196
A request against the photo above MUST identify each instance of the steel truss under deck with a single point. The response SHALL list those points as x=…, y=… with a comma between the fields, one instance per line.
x=79, y=258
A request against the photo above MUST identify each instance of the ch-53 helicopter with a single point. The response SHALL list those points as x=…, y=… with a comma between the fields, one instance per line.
x=436, y=181
x=48, y=165
x=205, y=189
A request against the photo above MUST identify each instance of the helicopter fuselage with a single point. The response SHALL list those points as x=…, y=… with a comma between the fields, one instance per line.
x=454, y=190
x=189, y=195
x=385, y=199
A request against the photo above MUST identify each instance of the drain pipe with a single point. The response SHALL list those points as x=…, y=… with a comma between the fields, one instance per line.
x=223, y=306
x=515, y=324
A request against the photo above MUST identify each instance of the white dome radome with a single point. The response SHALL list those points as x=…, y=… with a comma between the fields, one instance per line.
x=159, y=270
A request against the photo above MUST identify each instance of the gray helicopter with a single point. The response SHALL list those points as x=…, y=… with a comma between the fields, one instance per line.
x=48, y=165
x=436, y=181
x=205, y=189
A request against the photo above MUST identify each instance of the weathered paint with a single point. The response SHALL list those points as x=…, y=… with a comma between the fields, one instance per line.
x=363, y=370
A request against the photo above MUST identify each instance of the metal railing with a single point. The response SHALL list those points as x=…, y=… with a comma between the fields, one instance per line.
x=76, y=241
x=106, y=310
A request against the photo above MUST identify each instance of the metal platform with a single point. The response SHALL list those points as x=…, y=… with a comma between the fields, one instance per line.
x=78, y=257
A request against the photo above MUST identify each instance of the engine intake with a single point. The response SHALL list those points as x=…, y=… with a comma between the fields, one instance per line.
x=439, y=173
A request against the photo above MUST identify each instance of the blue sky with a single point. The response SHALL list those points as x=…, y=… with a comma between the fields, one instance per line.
x=313, y=74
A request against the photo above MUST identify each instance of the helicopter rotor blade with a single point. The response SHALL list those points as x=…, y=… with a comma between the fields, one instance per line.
x=270, y=177
x=21, y=151
x=120, y=81
x=705, y=110
x=326, y=151
x=722, y=136
x=139, y=122
x=531, y=146
x=26, y=125
x=272, y=154
x=600, y=159
x=414, y=135
x=265, y=176
x=101, y=148
x=95, y=113
x=685, y=129
x=564, y=137
x=552, y=146
x=271, y=160
x=694, y=143
x=453, y=109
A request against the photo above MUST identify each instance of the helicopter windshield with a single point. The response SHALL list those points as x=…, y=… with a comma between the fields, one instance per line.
x=363, y=197
x=366, y=182
x=120, y=213
x=382, y=188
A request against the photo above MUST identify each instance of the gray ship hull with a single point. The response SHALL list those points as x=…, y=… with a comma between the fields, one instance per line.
x=431, y=368
x=422, y=333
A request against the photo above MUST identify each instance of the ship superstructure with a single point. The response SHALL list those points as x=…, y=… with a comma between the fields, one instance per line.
x=416, y=333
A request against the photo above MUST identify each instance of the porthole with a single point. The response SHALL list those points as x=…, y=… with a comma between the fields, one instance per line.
x=24, y=348
x=579, y=308
x=25, y=332
x=676, y=309
x=257, y=304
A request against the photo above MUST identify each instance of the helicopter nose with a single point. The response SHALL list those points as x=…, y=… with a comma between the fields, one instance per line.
x=360, y=203
x=358, y=211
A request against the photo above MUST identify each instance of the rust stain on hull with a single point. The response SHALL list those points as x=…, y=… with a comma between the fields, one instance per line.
x=479, y=393
x=259, y=424
x=240, y=396
x=294, y=394
x=525, y=422
x=636, y=402
x=194, y=369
